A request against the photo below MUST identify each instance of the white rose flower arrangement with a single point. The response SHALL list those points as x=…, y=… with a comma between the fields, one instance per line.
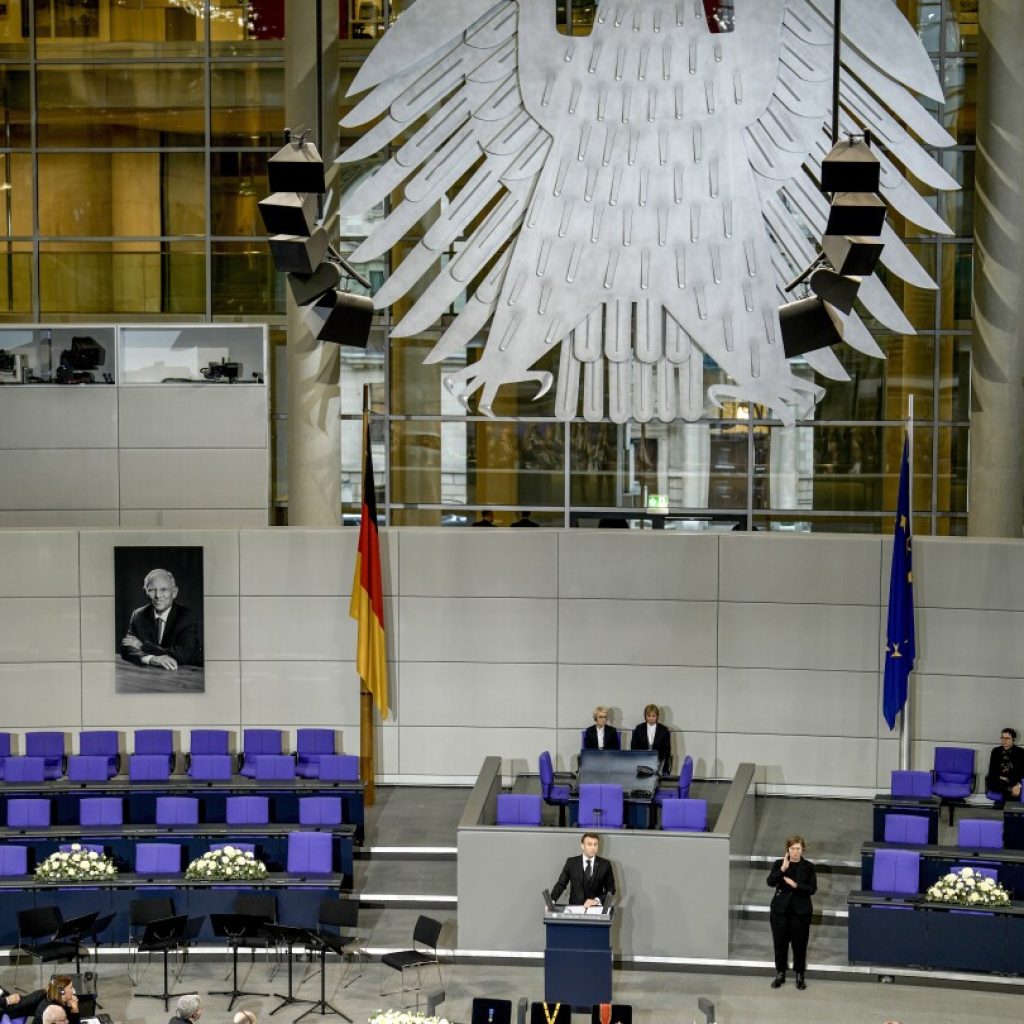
x=968, y=888
x=77, y=864
x=227, y=862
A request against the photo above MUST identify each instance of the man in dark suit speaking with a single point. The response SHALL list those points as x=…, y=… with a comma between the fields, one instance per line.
x=162, y=634
x=589, y=878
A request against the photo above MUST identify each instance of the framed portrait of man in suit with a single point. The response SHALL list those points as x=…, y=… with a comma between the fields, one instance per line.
x=158, y=620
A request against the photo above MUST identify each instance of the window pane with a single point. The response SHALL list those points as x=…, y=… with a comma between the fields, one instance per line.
x=955, y=379
x=15, y=280
x=238, y=181
x=957, y=208
x=16, y=192
x=951, y=477
x=248, y=105
x=245, y=280
x=957, y=283
x=247, y=27
x=959, y=82
x=15, y=103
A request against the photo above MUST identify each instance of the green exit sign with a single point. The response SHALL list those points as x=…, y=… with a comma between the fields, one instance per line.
x=658, y=501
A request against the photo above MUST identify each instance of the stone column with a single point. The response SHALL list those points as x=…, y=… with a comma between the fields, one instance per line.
x=997, y=464
x=314, y=400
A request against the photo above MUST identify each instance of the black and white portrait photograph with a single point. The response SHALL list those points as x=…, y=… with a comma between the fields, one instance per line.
x=158, y=620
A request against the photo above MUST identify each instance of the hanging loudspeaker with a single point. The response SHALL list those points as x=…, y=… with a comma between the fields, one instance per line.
x=289, y=213
x=307, y=288
x=850, y=167
x=301, y=255
x=296, y=167
x=854, y=255
x=806, y=326
x=856, y=213
x=341, y=317
x=835, y=289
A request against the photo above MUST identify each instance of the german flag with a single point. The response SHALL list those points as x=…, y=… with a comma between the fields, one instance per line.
x=367, y=604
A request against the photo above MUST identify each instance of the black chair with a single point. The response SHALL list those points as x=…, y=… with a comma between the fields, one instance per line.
x=336, y=927
x=37, y=937
x=239, y=930
x=423, y=954
x=165, y=937
x=142, y=912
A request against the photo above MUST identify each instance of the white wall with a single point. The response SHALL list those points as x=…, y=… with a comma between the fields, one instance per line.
x=759, y=648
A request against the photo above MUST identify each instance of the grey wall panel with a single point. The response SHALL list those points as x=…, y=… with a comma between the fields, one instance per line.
x=803, y=702
x=645, y=566
x=58, y=417
x=435, y=750
x=178, y=478
x=296, y=629
x=966, y=642
x=221, y=627
x=490, y=629
x=801, y=760
x=841, y=637
x=34, y=694
x=968, y=573
x=487, y=563
x=889, y=761
x=61, y=519
x=307, y=562
x=194, y=518
x=218, y=707
x=100, y=633
x=473, y=694
x=43, y=564
x=801, y=570
x=59, y=479
x=39, y=629
x=193, y=416
x=220, y=556
x=637, y=632
x=971, y=709
x=317, y=694
x=386, y=745
x=686, y=695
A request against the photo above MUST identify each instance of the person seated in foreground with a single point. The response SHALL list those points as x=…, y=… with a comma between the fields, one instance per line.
x=1005, y=768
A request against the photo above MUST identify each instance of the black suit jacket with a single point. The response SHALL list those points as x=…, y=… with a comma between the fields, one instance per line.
x=180, y=640
x=602, y=882
x=1015, y=757
x=611, y=738
x=662, y=743
x=787, y=898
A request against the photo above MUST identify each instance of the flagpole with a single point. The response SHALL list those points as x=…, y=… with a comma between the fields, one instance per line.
x=905, y=713
x=366, y=733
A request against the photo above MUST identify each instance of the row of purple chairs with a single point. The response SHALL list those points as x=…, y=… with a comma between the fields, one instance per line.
x=899, y=872
x=952, y=779
x=601, y=806
x=36, y=812
x=309, y=853
x=975, y=833
x=99, y=754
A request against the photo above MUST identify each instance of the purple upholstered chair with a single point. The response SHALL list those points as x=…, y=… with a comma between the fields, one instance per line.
x=980, y=833
x=274, y=766
x=244, y=847
x=906, y=828
x=247, y=810
x=24, y=769
x=177, y=810
x=554, y=796
x=689, y=815
x=979, y=869
x=100, y=810
x=256, y=742
x=157, y=859
x=50, y=747
x=102, y=743
x=320, y=810
x=339, y=768
x=915, y=784
x=953, y=776
x=682, y=790
x=156, y=741
x=13, y=860
x=518, y=809
x=311, y=746
x=29, y=813
x=896, y=871
x=89, y=768
x=600, y=806
x=148, y=768
x=5, y=750
x=310, y=853
x=209, y=741
x=210, y=767
x=87, y=847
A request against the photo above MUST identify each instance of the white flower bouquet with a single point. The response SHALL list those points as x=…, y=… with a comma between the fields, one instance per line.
x=968, y=888
x=77, y=864
x=403, y=1017
x=227, y=862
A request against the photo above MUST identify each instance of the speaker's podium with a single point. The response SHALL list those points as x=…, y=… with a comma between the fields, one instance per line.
x=577, y=955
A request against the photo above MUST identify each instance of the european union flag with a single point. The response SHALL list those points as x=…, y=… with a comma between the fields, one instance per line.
x=899, y=637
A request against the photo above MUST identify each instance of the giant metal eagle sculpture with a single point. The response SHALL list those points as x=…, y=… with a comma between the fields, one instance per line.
x=638, y=196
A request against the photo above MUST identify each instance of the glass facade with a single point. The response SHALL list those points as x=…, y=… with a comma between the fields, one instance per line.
x=133, y=154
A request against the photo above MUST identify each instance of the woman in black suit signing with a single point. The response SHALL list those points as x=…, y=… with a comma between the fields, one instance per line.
x=794, y=880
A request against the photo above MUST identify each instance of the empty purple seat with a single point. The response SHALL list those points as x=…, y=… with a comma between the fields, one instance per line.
x=209, y=741
x=210, y=767
x=682, y=790
x=100, y=810
x=912, y=784
x=148, y=768
x=248, y=810
x=310, y=747
x=320, y=810
x=102, y=743
x=339, y=768
x=50, y=747
x=13, y=860
x=29, y=813
x=518, y=809
x=896, y=871
x=985, y=870
x=953, y=774
x=980, y=833
x=689, y=815
x=906, y=828
x=87, y=847
x=24, y=769
x=274, y=766
x=601, y=806
x=156, y=742
x=157, y=859
x=89, y=768
x=177, y=810
x=551, y=794
x=5, y=750
x=310, y=853
x=244, y=847
x=256, y=742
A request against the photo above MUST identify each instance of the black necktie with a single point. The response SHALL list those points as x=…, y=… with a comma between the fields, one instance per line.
x=587, y=875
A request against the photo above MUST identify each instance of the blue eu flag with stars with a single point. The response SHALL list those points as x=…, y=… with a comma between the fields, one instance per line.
x=899, y=634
